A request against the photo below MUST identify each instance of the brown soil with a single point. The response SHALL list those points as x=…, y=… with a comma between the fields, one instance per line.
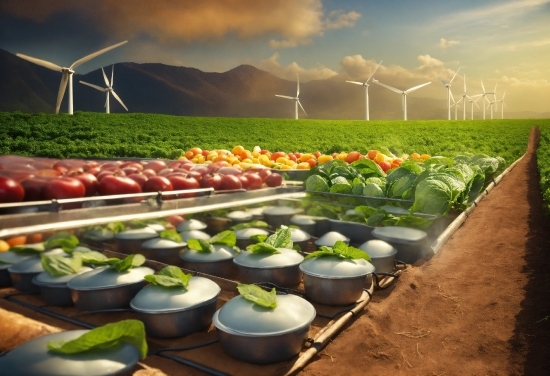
x=478, y=307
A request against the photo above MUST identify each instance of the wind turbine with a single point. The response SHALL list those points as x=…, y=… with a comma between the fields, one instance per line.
x=403, y=93
x=495, y=95
x=108, y=89
x=296, y=98
x=455, y=104
x=472, y=103
x=502, y=105
x=463, y=99
x=484, y=97
x=67, y=73
x=366, y=85
x=491, y=105
x=448, y=86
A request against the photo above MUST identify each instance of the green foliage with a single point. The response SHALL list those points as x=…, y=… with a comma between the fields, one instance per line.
x=543, y=162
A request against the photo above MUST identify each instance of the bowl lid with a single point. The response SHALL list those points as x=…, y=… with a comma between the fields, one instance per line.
x=240, y=215
x=191, y=224
x=287, y=257
x=11, y=257
x=241, y=316
x=302, y=220
x=107, y=277
x=33, y=264
x=336, y=267
x=330, y=238
x=137, y=233
x=99, y=235
x=162, y=243
x=396, y=210
x=34, y=358
x=157, y=227
x=378, y=248
x=400, y=235
x=258, y=212
x=45, y=279
x=246, y=233
x=297, y=235
x=158, y=299
x=220, y=253
x=280, y=210
x=194, y=234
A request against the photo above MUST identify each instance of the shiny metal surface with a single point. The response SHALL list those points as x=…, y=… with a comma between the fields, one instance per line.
x=106, y=298
x=331, y=291
x=356, y=232
x=220, y=268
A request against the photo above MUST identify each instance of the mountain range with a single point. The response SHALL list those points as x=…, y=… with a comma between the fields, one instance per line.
x=244, y=91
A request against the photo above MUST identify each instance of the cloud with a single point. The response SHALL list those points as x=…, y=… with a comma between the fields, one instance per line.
x=286, y=23
x=337, y=19
x=444, y=43
x=273, y=66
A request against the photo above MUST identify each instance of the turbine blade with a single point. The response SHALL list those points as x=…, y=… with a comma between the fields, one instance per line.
x=374, y=71
x=444, y=83
x=91, y=56
x=477, y=105
x=112, y=74
x=504, y=104
x=482, y=87
x=284, y=96
x=298, y=85
x=476, y=96
x=302, y=107
x=356, y=83
x=118, y=99
x=503, y=95
x=417, y=87
x=43, y=63
x=388, y=87
x=92, y=85
x=454, y=75
x=105, y=77
x=61, y=92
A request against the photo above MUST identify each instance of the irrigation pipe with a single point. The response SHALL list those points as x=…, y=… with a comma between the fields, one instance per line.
x=450, y=230
x=322, y=339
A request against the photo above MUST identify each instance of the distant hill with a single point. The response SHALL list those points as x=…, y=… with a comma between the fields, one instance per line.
x=244, y=91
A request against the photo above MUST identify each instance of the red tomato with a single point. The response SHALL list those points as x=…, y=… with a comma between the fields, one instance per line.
x=274, y=180
x=90, y=182
x=109, y=165
x=149, y=173
x=230, y=182
x=174, y=164
x=69, y=163
x=211, y=181
x=353, y=156
x=175, y=219
x=165, y=171
x=156, y=165
x=264, y=173
x=317, y=154
x=292, y=157
x=138, y=166
x=264, y=151
x=104, y=173
x=139, y=178
x=128, y=170
x=312, y=162
x=244, y=181
x=203, y=170
x=385, y=165
x=63, y=187
x=156, y=184
x=10, y=190
x=277, y=154
x=233, y=170
x=118, y=185
x=195, y=175
x=180, y=182
x=255, y=181
x=33, y=187
x=205, y=153
x=16, y=175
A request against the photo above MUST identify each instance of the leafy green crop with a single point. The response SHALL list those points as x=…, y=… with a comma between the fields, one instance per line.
x=169, y=276
x=58, y=266
x=258, y=295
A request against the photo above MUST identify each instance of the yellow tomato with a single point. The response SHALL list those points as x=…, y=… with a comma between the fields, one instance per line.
x=424, y=157
x=237, y=150
x=200, y=158
x=379, y=158
x=302, y=166
x=4, y=246
x=281, y=160
x=415, y=156
x=305, y=157
x=324, y=158
x=212, y=155
x=286, y=167
x=255, y=160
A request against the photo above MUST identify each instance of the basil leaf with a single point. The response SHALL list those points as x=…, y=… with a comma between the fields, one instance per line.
x=318, y=254
x=349, y=252
x=58, y=266
x=62, y=239
x=93, y=257
x=260, y=238
x=226, y=237
x=171, y=235
x=258, y=295
x=253, y=224
x=115, y=227
x=128, y=262
x=103, y=337
x=170, y=276
x=262, y=248
x=281, y=238
x=29, y=248
x=200, y=245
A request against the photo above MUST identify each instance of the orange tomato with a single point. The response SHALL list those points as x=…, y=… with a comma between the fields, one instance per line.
x=277, y=155
x=196, y=151
x=17, y=240
x=237, y=150
x=424, y=157
x=415, y=156
x=317, y=154
x=189, y=154
x=372, y=154
x=35, y=238
x=312, y=162
x=353, y=156
x=385, y=166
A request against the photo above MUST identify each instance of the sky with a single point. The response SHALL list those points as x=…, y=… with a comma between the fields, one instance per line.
x=501, y=42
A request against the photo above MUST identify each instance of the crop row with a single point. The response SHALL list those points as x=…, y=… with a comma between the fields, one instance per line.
x=87, y=135
x=543, y=161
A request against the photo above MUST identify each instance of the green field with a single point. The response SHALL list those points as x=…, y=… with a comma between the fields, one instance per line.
x=89, y=135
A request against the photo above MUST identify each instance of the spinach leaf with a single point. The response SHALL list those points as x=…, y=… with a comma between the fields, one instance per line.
x=169, y=276
x=62, y=239
x=171, y=235
x=58, y=266
x=258, y=295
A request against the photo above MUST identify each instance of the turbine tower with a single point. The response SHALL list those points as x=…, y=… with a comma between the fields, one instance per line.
x=502, y=105
x=296, y=98
x=403, y=94
x=366, y=85
x=491, y=103
x=67, y=73
x=108, y=89
x=456, y=106
x=448, y=86
x=472, y=103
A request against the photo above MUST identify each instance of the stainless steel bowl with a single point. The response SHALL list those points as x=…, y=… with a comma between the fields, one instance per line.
x=218, y=263
x=357, y=233
x=243, y=236
x=130, y=241
x=278, y=216
x=163, y=250
x=54, y=290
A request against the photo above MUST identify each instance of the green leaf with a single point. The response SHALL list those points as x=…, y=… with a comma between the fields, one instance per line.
x=262, y=248
x=260, y=238
x=200, y=245
x=93, y=257
x=281, y=238
x=29, y=248
x=171, y=235
x=226, y=237
x=169, y=276
x=62, y=239
x=105, y=337
x=340, y=249
x=253, y=224
x=317, y=183
x=58, y=266
x=115, y=227
x=258, y=295
x=128, y=262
